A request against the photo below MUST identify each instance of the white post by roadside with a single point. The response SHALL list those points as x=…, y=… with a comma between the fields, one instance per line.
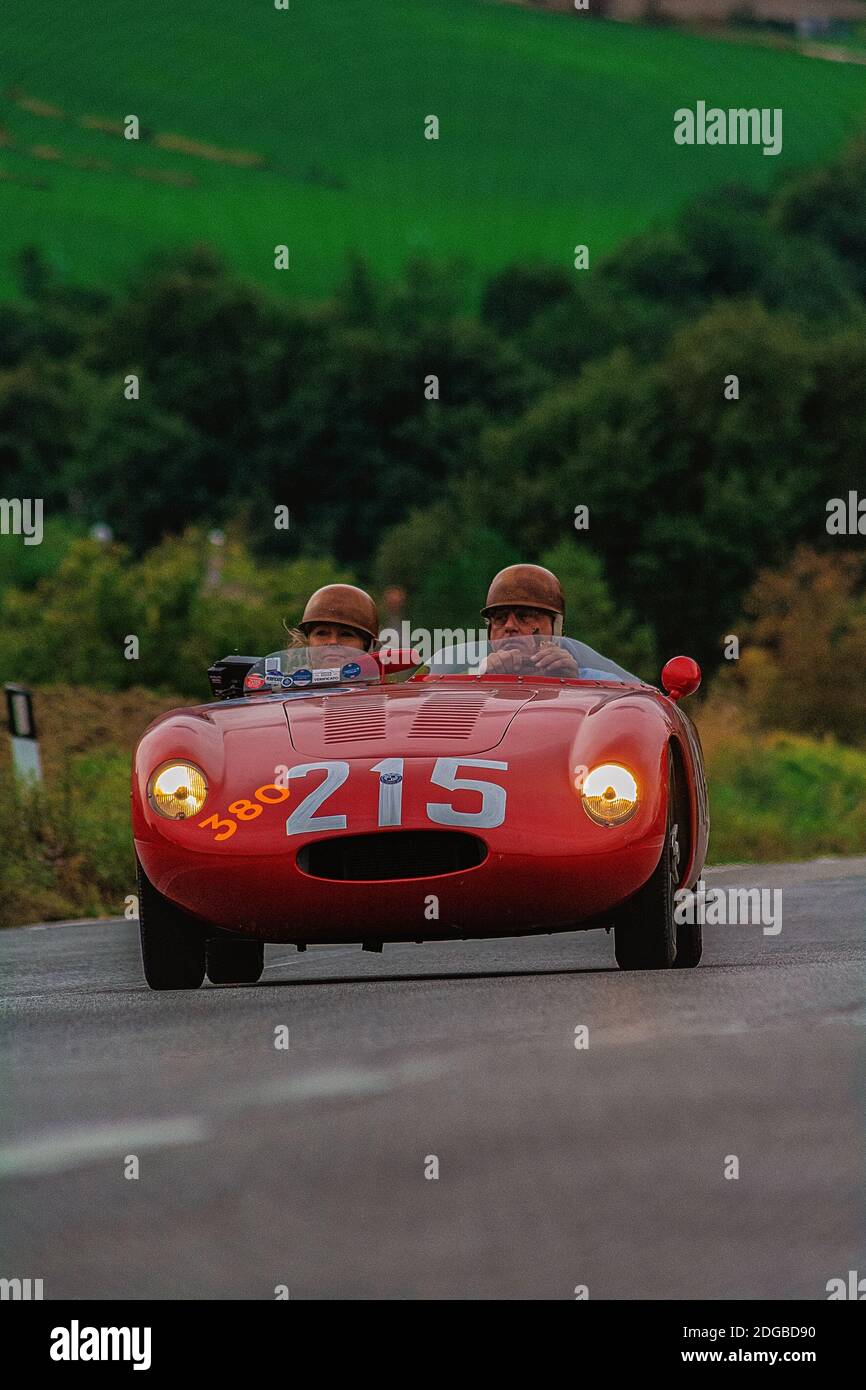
x=22, y=729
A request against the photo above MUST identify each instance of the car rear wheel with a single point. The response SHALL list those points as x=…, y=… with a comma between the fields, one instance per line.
x=645, y=934
x=235, y=962
x=172, y=942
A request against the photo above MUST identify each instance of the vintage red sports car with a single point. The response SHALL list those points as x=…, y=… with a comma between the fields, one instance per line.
x=317, y=801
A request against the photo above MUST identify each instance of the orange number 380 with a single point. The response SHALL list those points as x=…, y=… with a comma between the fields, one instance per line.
x=243, y=810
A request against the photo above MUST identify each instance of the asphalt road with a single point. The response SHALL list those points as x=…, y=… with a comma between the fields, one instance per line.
x=558, y=1166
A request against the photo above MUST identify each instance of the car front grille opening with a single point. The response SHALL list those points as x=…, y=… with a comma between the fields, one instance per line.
x=392, y=854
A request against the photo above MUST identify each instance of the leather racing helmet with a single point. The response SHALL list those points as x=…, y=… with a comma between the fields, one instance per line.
x=343, y=604
x=527, y=586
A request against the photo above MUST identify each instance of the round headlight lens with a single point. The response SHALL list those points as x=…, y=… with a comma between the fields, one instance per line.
x=177, y=790
x=609, y=794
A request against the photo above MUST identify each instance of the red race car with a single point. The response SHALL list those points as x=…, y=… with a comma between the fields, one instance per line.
x=314, y=801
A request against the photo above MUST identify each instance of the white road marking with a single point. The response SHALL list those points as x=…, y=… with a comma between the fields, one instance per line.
x=79, y=922
x=58, y=1149
x=346, y=1081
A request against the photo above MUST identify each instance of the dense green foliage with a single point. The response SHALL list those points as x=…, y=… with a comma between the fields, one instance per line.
x=604, y=390
x=76, y=622
x=780, y=797
x=803, y=667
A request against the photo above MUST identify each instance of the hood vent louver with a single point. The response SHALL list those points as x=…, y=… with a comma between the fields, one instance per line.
x=448, y=716
x=360, y=717
x=404, y=720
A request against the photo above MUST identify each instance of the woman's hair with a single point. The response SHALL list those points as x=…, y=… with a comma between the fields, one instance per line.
x=297, y=638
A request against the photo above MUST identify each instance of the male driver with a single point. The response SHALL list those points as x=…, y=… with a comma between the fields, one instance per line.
x=525, y=605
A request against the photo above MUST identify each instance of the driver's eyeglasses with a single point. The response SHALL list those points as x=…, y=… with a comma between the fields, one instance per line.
x=523, y=615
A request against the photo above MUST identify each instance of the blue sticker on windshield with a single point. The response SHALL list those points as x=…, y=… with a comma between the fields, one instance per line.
x=287, y=682
x=350, y=671
x=303, y=677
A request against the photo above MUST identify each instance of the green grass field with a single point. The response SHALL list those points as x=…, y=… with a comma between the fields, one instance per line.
x=554, y=130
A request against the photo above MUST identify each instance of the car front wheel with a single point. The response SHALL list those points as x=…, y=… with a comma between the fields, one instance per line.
x=172, y=942
x=645, y=933
x=690, y=945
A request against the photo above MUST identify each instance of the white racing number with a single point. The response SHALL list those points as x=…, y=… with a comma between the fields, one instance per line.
x=302, y=819
x=492, y=809
x=390, y=772
x=490, y=813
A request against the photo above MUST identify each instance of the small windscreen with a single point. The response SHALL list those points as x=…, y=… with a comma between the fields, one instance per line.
x=563, y=658
x=311, y=668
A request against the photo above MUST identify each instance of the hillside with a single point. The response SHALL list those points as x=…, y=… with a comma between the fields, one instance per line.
x=305, y=127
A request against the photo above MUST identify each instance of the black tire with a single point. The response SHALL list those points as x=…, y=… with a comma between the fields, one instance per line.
x=645, y=934
x=172, y=942
x=690, y=937
x=235, y=962
x=690, y=945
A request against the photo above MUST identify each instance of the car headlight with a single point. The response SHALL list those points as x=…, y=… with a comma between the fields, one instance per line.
x=177, y=790
x=609, y=794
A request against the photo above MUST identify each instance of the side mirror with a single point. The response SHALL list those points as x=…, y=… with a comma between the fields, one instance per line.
x=395, y=659
x=681, y=676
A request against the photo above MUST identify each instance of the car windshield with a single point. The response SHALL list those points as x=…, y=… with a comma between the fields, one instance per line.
x=556, y=657
x=311, y=668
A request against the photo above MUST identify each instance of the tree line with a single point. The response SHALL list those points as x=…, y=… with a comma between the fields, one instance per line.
x=422, y=440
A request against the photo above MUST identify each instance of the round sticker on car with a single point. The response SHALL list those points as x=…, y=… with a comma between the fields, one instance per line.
x=350, y=671
x=303, y=677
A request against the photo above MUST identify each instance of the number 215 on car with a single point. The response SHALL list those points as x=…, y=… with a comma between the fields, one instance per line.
x=491, y=812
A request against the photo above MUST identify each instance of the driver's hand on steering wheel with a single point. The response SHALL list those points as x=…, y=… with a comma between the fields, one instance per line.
x=506, y=663
x=554, y=661
x=549, y=660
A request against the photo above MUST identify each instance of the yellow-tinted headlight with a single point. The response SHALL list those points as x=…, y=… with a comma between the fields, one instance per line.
x=609, y=794
x=177, y=790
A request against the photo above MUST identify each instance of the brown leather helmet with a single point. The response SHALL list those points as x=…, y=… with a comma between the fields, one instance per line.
x=527, y=586
x=343, y=604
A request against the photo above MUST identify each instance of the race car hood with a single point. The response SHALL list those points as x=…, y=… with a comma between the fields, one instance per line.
x=413, y=722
